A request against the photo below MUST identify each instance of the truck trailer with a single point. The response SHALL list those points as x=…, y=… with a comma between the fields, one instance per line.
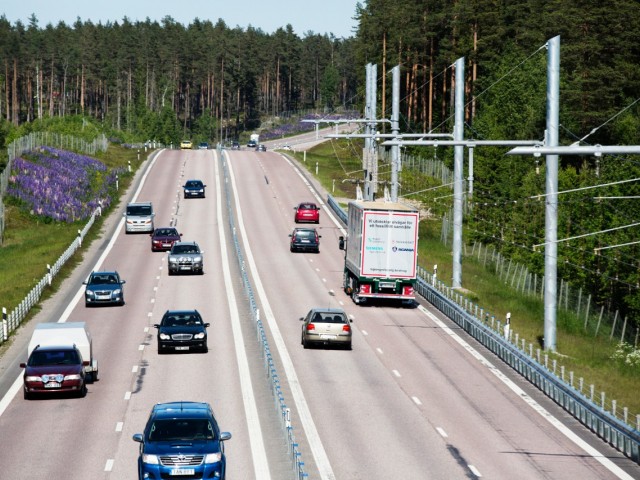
x=381, y=251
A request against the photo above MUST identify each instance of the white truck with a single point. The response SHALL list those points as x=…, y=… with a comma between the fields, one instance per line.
x=64, y=334
x=254, y=140
x=381, y=251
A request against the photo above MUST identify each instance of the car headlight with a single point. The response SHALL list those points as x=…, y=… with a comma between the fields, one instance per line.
x=150, y=459
x=32, y=379
x=199, y=336
x=89, y=293
x=117, y=291
x=197, y=259
x=74, y=376
x=173, y=260
x=213, y=457
x=164, y=336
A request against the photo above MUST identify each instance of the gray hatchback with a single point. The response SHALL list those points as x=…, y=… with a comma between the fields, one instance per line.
x=326, y=326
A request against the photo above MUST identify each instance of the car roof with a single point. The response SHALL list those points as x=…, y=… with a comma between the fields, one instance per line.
x=178, y=409
x=185, y=243
x=298, y=229
x=105, y=272
x=181, y=312
x=307, y=204
x=327, y=310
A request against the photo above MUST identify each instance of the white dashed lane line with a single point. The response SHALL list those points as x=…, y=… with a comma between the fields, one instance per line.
x=474, y=470
x=396, y=373
x=441, y=431
x=134, y=369
x=109, y=465
x=119, y=426
x=127, y=395
x=379, y=350
x=416, y=400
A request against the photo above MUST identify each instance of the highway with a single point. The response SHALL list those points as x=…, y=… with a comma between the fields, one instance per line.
x=415, y=398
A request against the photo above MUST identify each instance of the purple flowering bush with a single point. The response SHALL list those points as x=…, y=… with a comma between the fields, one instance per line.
x=60, y=185
x=288, y=129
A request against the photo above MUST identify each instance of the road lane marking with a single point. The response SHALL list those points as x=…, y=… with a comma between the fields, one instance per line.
x=140, y=347
x=364, y=332
x=396, y=373
x=134, y=369
x=119, y=426
x=127, y=395
x=416, y=400
x=608, y=464
x=379, y=350
x=109, y=465
x=442, y=433
x=474, y=470
x=258, y=451
x=313, y=437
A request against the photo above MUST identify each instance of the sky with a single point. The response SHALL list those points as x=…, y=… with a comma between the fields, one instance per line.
x=324, y=16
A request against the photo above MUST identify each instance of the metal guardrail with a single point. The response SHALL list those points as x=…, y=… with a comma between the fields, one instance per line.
x=270, y=368
x=605, y=425
x=12, y=321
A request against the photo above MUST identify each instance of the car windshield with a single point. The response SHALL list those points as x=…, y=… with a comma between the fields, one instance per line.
x=139, y=210
x=178, y=320
x=53, y=357
x=103, y=279
x=170, y=430
x=194, y=183
x=328, y=317
x=166, y=232
x=184, y=249
x=307, y=206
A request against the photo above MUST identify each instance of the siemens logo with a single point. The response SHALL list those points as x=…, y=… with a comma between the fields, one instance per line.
x=396, y=249
x=375, y=249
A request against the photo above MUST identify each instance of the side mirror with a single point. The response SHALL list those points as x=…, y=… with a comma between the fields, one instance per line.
x=341, y=243
x=137, y=437
x=85, y=283
x=122, y=282
x=23, y=365
x=301, y=319
x=224, y=436
x=156, y=325
x=207, y=325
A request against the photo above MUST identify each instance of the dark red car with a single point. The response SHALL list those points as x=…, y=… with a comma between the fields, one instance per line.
x=307, y=212
x=162, y=239
x=55, y=370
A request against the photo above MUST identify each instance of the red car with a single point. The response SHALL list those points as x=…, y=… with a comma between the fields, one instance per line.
x=162, y=239
x=307, y=212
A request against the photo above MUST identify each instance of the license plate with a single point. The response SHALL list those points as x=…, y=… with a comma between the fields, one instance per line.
x=182, y=471
x=166, y=245
x=182, y=348
x=103, y=297
x=328, y=337
x=306, y=241
x=185, y=268
x=52, y=385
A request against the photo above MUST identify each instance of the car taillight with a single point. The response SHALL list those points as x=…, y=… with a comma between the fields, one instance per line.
x=365, y=288
x=407, y=290
x=346, y=328
x=311, y=326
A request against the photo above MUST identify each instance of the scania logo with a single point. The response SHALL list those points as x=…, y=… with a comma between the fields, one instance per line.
x=396, y=249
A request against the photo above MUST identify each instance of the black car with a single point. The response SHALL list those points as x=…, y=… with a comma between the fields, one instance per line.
x=104, y=288
x=235, y=145
x=261, y=148
x=182, y=330
x=194, y=188
x=305, y=240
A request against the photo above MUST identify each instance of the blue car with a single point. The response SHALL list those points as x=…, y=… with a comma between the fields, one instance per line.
x=181, y=440
x=103, y=288
x=194, y=188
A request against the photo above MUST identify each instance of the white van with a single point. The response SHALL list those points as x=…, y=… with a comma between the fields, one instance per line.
x=139, y=217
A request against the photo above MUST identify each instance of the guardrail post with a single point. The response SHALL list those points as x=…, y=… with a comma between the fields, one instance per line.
x=507, y=326
x=79, y=238
x=5, y=326
x=49, y=274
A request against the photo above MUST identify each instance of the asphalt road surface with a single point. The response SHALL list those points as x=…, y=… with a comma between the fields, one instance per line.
x=414, y=399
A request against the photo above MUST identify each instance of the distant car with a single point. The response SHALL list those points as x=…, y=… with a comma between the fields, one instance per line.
x=162, y=239
x=307, y=212
x=181, y=440
x=193, y=188
x=305, y=240
x=252, y=144
x=235, y=145
x=139, y=217
x=203, y=146
x=326, y=326
x=186, y=257
x=104, y=288
x=182, y=330
x=51, y=369
x=261, y=148
x=286, y=147
x=186, y=145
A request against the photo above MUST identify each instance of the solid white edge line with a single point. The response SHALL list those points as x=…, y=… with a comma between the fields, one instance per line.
x=258, y=452
x=608, y=464
x=13, y=390
x=313, y=437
